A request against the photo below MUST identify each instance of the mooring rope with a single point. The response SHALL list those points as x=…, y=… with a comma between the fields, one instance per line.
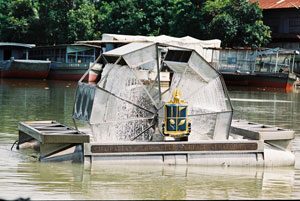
x=14, y=145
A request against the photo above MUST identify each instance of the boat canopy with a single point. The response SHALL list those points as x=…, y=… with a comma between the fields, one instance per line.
x=272, y=60
x=77, y=48
x=200, y=46
x=17, y=44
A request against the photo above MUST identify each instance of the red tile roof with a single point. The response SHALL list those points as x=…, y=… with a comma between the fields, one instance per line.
x=276, y=4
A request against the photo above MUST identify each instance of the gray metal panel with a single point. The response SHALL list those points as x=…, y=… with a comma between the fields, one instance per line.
x=197, y=64
x=146, y=56
x=126, y=49
x=84, y=101
x=98, y=111
x=177, y=67
x=202, y=67
x=222, y=126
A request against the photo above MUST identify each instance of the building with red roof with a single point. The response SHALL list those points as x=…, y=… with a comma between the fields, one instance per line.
x=283, y=17
x=277, y=4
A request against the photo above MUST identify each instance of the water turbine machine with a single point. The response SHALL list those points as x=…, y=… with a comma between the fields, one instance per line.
x=165, y=104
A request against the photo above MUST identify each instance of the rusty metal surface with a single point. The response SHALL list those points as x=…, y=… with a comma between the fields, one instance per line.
x=174, y=147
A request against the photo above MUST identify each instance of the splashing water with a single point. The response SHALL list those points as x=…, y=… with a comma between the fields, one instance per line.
x=127, y=103
x=128, y=110
x=123, y=120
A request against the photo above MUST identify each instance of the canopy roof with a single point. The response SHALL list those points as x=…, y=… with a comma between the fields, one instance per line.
x=183, y=42
x=160, y=39
x=17, y=44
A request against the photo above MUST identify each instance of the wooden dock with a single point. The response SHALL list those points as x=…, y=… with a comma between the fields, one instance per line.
x=53, y=138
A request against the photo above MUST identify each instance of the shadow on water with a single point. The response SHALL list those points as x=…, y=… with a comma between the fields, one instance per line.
x=18, y=199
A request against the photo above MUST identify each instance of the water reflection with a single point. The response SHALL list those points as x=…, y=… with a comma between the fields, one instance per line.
x=274, y=108
x=270, y=108
x=156, y=182
x=24, y=100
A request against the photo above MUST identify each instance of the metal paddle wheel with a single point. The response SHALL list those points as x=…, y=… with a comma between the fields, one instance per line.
x=154, y=92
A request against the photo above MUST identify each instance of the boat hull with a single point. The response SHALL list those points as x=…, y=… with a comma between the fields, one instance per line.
x=71, y=72
x=66, y=74
x=71, y=75
x=33, y=69
x=283, y=81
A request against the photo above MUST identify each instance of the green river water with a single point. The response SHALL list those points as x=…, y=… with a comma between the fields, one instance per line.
x=22, y=176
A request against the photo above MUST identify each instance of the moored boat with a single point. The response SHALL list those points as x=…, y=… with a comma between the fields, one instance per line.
x=63, y=71
x=68, y=61
x=260, y=69
x=18, y=68
x=260, y=80
x=14, y=62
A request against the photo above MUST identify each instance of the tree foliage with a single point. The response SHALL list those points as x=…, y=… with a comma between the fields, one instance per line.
x=16, y=19
x=235, y=22
x=137, y=17
x=82, y=23
x=185, y=19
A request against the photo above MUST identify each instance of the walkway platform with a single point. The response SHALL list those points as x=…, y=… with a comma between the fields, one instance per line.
x=258, y=145
x=276, y=136
x=52, y=137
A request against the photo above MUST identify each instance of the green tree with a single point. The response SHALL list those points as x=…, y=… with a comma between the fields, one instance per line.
x=157, y=16
x=235, y=22
x=82, y=23
x=121, y=17
x=16, y=18
x=137, y=17
x=63, y=21
x=185, y=19
x=151, y=17
x=53, y=23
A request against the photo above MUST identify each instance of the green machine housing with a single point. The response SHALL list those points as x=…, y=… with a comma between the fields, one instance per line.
x=176, y=123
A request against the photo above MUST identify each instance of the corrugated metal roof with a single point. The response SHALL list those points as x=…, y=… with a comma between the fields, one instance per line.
x=277, y=4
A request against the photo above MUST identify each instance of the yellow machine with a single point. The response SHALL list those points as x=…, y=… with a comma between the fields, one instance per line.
x=176, y=123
